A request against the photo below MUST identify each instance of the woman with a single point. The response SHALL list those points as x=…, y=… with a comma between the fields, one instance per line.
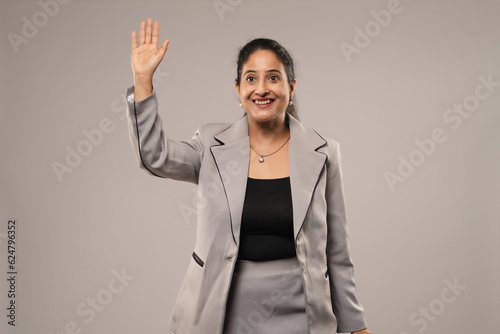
x=272, y=252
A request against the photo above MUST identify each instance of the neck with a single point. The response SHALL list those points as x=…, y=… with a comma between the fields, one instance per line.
x=268, y=133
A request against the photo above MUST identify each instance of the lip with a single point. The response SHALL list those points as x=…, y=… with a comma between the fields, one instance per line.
x=263, y=105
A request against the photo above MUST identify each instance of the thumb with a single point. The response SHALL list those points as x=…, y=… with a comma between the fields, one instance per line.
x=163, y=48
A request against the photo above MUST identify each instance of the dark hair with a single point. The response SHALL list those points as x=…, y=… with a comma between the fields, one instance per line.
x=268, y=44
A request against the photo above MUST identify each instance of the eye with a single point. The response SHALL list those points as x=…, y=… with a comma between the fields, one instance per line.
x=250, y=79
x=274, y=77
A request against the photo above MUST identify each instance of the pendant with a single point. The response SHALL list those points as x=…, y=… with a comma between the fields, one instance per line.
x=261, y=159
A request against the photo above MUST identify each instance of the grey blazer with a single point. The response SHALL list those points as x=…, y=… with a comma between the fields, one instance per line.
x=216, y=158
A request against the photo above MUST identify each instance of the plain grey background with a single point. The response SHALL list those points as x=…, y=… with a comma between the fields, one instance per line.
x=65, y=68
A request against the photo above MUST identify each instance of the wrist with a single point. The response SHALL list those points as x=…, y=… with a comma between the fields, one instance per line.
x=143, y=87
x=143, y=79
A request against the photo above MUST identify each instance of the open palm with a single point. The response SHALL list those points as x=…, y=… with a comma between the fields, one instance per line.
x=146, y=56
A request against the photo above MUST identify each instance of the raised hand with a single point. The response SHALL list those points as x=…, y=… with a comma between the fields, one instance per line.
x=146, y=56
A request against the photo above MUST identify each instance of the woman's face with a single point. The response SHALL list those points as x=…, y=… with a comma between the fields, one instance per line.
x=264, y=91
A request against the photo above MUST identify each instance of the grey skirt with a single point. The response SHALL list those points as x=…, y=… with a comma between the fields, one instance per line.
x=266, y=297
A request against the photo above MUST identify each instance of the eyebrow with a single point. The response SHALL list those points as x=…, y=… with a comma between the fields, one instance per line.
x=272, y=70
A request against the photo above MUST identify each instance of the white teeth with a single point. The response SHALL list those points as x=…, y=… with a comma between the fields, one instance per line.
x=263, y=102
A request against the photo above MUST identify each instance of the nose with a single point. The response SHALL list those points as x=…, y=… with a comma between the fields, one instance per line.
x=261, y=88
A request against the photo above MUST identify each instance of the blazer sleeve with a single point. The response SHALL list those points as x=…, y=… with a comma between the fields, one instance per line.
x=347, y=309
x=155, y=153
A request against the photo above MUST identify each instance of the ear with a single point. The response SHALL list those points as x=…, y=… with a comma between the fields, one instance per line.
x=292, y=87
x=237, y=88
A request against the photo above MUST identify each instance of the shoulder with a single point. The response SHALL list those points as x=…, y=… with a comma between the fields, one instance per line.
x=214, y=127
x=330, y=146
x=332, y=150
x=207, y=131
x=324, y=144
x=222, y=131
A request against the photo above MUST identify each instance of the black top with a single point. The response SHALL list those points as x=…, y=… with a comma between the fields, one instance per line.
x=267, y=221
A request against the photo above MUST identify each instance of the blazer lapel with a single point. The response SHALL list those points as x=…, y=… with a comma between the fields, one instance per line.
x=232, y=156
x=305, y=164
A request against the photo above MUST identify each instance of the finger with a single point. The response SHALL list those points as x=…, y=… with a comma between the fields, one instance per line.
x=148, y=30
x=163, y=48
x=156, y=34
x=134, y=39
x=165, y=44
x=142, y=33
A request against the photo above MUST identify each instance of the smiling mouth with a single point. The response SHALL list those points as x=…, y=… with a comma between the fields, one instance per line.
x=263, y=102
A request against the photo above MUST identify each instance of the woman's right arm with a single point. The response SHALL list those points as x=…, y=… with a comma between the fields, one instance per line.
x=157, y=154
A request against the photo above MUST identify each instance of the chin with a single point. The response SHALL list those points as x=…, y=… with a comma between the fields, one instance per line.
x=261, y=115
x=264, y=117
